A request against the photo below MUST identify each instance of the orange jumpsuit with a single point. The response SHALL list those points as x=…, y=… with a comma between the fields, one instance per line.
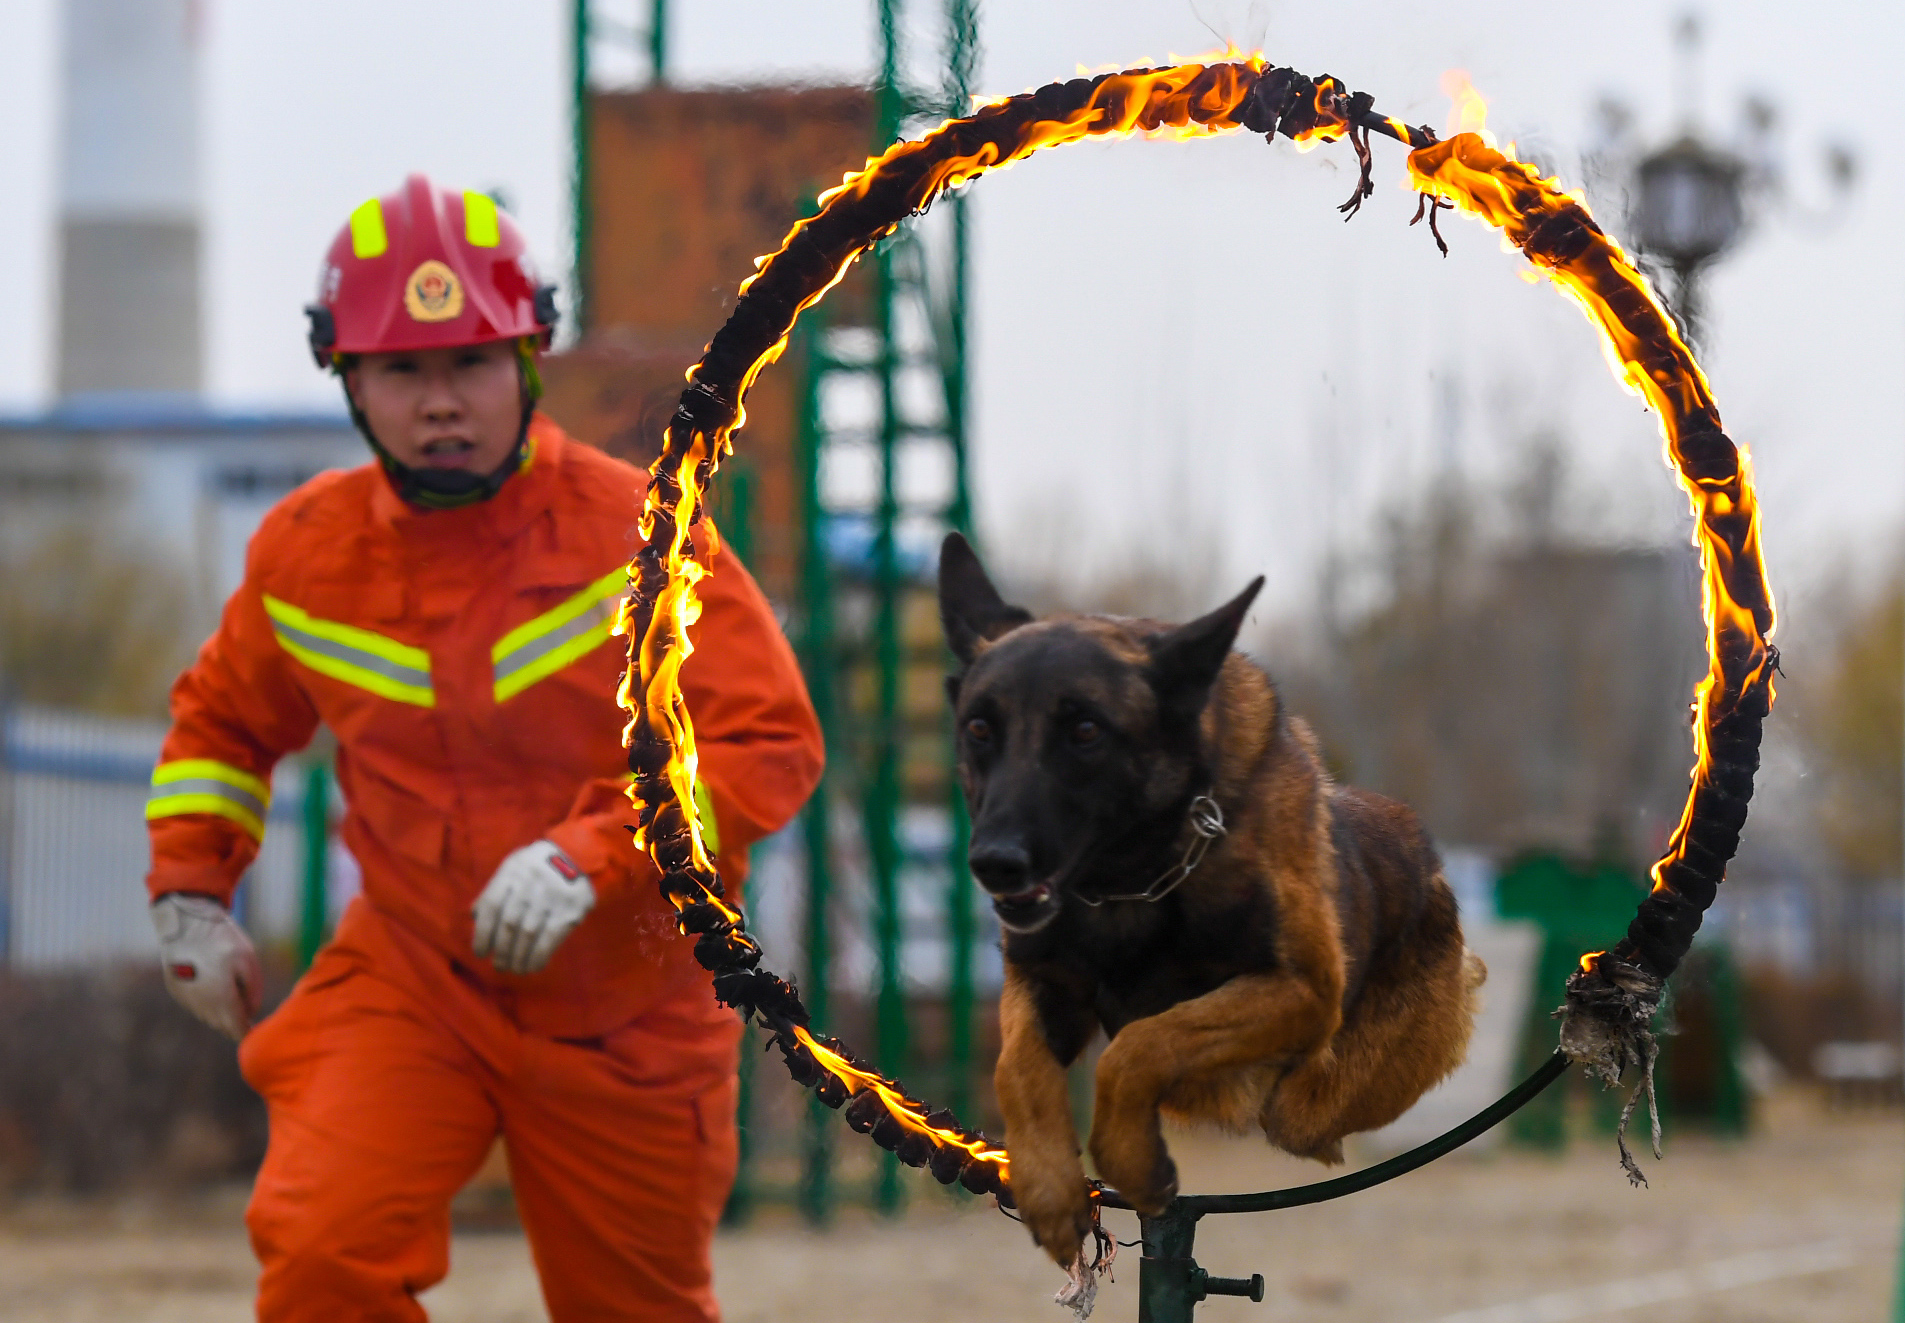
x=462, y=659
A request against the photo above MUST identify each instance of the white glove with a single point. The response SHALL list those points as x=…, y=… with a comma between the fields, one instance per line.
x=536, y=899
x=210, y=966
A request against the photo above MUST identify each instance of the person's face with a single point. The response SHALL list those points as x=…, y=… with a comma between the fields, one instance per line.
x=455, y=408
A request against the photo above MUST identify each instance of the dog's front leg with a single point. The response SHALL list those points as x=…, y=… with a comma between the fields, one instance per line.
x=1047, y=1178
x=1251, y=1019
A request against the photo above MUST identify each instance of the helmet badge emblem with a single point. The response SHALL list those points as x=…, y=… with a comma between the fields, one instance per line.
x=433, y=293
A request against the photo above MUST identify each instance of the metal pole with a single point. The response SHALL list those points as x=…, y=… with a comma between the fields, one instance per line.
x=962, y=51
x=882, y=807
x=658, y=42
x=882, y=803
x=817, y=659
x=579, y=181
x=959, y=914
x=1164, y=1273
x=314, y=916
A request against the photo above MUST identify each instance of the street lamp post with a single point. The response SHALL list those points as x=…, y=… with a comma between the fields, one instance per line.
x=1689, y=208
x=1689, y=202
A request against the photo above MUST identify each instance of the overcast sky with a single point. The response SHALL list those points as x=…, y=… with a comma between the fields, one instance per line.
x=1162, y=328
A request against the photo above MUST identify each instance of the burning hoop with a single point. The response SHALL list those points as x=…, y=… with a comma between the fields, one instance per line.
x=1613, y=996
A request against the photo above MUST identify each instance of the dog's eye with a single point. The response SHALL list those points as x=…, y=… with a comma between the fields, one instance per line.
x=1085, y=732
x=979, y=730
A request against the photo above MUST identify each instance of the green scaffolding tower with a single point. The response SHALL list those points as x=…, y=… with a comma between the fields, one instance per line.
x=869, y=636
x=863, y=616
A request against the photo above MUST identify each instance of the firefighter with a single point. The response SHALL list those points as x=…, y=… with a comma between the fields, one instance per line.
x=509, y=967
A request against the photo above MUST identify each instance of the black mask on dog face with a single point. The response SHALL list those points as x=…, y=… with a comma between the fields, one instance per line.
x=1078, y=741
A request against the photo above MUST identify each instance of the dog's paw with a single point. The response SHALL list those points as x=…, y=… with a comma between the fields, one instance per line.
x=1056, y=1209
x=1138, y=1167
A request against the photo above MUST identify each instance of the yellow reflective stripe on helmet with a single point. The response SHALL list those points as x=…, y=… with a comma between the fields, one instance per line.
x=356, y=656
x=479, y=220
x=367, y=230
x=203, y=785
x=539, y=648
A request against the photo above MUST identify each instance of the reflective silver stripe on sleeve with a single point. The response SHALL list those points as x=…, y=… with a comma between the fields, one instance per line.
x=358, y=657
x=592, y=619
x=205, y=785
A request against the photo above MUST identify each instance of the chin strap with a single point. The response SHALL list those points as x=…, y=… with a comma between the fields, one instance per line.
x=1207, y=824
x=448, y=489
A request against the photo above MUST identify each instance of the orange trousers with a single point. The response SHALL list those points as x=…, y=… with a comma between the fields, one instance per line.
x=388, y=1077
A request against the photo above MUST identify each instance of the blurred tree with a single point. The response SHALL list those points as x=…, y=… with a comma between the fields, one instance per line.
x=89, y=625
x=1520, y=681
x=1852, y=718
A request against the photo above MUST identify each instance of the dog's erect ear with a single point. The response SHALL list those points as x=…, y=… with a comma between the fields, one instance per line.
x=970, y=608
x=1185, y=660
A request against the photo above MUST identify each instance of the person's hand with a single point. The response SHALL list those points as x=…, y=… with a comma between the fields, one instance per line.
x=536, y=899
x=210, y=966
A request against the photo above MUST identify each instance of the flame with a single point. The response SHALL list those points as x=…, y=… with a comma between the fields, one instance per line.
x=1468, y=108
x=1153, y=101
x=1554, y=231
x=906, y=1111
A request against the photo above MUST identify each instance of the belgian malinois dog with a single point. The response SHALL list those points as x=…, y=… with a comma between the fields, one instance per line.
x=1170, y=863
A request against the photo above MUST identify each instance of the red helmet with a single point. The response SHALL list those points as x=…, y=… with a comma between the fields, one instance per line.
x=426, y=268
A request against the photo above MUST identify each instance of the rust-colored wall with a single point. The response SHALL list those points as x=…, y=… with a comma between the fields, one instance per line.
x=688, y=188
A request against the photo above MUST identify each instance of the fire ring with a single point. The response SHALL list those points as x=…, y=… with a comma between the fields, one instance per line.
x=1611, y=999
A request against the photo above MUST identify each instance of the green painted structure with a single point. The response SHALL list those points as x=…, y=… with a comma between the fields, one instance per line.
x=868, y=635
x=863, y=614
x=1586, y=906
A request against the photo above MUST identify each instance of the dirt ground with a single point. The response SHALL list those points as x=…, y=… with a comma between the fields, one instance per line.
x=1799, y=1224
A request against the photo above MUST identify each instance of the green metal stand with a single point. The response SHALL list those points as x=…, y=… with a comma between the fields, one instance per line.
x=1170, y=1282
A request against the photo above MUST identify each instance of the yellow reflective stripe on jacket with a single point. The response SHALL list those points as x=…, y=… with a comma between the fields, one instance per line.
x=203, y=785
x=543, y=646
x=356, y=656
x=710, y=829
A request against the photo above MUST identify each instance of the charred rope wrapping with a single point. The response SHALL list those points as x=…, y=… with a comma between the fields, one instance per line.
x=1550, y=228
x=1612, y=999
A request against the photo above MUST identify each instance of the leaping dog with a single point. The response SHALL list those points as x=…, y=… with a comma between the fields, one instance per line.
x=1170, y=863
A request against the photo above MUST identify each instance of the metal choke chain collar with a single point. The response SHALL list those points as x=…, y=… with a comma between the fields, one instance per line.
x=1207, y=824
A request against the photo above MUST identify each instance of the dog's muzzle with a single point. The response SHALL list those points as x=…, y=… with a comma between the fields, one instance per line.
x=1028, y=909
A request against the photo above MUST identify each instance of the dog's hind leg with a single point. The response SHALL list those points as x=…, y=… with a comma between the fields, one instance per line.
x=1251, y=1020
x=1407, y=1034
x=1047, y=1178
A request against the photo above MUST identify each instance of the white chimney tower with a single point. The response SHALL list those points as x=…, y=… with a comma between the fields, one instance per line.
x=129, y=198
